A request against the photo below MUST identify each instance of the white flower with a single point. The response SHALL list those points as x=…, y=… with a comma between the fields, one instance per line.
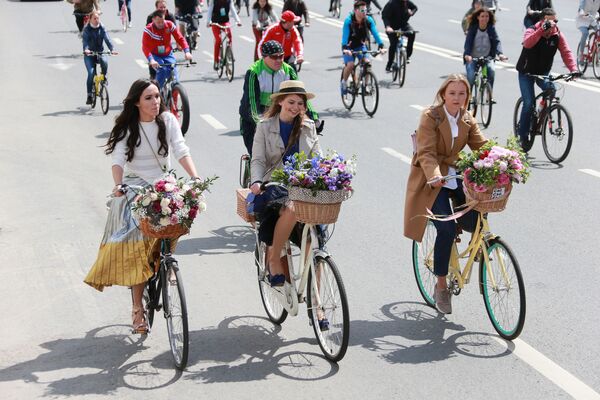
x=153, y=196
x=165, y=211
x=334, y=172
x=165, y=221
x=185, y=187
x=164, y=202
x=169, y=187
x=177, y=197
x=170, y=179
x=146, y=201
x=202, y=206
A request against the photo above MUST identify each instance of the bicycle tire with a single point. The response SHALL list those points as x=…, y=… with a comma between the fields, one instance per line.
x=596, y=64
x=147, y=302
x=104, y=99
x=528, y=144
x=229, y=64
x=333, y=305
x=275, y=311
x=179, y=105
x=175, y=309
x=221, y=65
x=124, y=17
x=349, y=98
x=394, y=71
x=508, y=322
x=422, y=259
x=472, y=106
x=94, y=94
x=485, y=104
x=368, y=90
x=402, y=68
x=554, y=134
x=583, y=64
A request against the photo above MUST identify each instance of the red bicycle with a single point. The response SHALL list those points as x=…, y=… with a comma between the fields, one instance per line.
x=590, y=53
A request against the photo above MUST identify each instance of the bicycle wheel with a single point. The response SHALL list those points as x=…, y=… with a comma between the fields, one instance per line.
x=557, y=133
x=472, y=106
x=147, y=302
x=175, y=309
x=229, y=63
x=349, y=98
x=370, y=93
x=485, y=104
x=402, y=67
x=422, y=259
x=180, y=106
x=326, y=298
x=503, y=290
x=94, y=94
x=124, y=17
x=221, y=65
x=528, y=144
x=596, y=64
x=104, y=101
x=275, y=311
x=582, y=64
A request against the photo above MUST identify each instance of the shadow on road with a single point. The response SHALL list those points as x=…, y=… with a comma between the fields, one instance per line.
x=543, y=164
x=344, y=113
x=235, y=133
x=78, y=111
x=403, y=324
x=225, y=240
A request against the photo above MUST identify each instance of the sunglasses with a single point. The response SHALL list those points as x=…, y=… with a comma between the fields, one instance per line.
x=362, y=10
x=276, y=56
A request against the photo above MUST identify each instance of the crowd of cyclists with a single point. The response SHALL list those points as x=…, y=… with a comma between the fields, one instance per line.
x=279, y=48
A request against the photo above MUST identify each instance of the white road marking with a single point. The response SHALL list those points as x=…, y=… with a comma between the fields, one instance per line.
x=207, y=54
x=552, y=371
x=117, y=40
x=142, y=63
x=591, y=172
x=417, y=107
x=398, y=155
x=212, y=121
x=246, y=38
x=61, y=66
x=569, y=19
x=454, y=21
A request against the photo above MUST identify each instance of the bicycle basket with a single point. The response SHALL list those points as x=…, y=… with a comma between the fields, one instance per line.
x=242, y=209
x=492, y=200
x=163, y=232
x=322, y=207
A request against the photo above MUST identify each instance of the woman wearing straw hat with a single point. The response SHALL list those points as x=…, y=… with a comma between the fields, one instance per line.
x=285, y=131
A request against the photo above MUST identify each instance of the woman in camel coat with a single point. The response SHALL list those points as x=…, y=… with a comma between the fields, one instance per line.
x=444, y=130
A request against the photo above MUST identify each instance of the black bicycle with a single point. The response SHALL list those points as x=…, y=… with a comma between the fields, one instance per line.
x=551, y=120
x=175, y=96
x=190, y=29
x=481, y=91
x=364, y=84
x=399, y=65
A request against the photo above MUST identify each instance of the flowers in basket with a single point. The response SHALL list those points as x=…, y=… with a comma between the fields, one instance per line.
x=331, y=172
x=171, y=201
x=494, y=166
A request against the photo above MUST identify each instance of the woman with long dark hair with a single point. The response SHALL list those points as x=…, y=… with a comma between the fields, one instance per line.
x=140, y=145
x=262, y=17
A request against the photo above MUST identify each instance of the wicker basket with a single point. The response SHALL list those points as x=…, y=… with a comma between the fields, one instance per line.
x=322, y=207
x=492, y=200
x=166, y=232
x=242, y=210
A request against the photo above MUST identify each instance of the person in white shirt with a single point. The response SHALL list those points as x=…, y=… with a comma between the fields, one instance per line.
x=587, y=16
x=144, y=137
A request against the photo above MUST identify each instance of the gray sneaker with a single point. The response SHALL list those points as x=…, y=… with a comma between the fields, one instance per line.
x=443, y=300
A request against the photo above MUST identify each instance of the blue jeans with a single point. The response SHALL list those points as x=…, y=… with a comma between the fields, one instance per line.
x=128, y=3
x=90, y=66
x=584, y=34
x=163, y=73
x=528, y=95
x=491, y=73
x=446, y=230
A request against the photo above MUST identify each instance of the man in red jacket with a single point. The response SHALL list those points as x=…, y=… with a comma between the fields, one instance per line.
x=286, y=33
x=156, y=45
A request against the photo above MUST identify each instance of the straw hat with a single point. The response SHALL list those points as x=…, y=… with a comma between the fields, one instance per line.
x=292, y=87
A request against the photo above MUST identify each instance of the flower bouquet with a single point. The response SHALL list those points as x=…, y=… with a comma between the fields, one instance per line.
x=490, y=172
x=169, y=206
x=318, y=185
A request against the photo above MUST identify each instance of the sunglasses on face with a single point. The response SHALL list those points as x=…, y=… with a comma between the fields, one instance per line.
x=362, y=10
x=276, y=56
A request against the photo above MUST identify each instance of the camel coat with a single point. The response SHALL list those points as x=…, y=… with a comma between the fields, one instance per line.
x=435, y=153
x=268, y=148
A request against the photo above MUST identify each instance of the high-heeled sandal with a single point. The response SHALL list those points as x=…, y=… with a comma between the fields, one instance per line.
x=142, y=327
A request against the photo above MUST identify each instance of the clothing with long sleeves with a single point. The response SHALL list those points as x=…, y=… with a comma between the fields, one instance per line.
x=220, y=10
x=187, y=6
x=168, y=17
x=93, y=39
x=355, y=34
x=583, y=21
x=395, y=14
x=290, y=40
x=436, y=152
x=158, y=41
x=263, y=18
x=492, y=49
x=298, y=7
x=535, y=5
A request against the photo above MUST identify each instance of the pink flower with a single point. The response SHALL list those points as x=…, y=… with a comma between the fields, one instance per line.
x=503, y=179
x=193, y=212
x=160, y=186
x=502, y=165
x=488, y=163
x=480, y=188
x=478, y=164
x=466, y=175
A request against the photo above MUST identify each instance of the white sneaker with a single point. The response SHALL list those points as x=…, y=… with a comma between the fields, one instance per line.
x=130, y=25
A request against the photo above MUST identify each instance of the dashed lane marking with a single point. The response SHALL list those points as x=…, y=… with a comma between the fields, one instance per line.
x=118, y=41
x=142, y=63
x=591, y=172
x=212, y=121
x=206, y=53
x=246, y=38
x=417, y=107
x=454, y=21
x=397, y=154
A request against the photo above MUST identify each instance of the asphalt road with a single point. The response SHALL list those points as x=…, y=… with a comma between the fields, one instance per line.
x=60, y=338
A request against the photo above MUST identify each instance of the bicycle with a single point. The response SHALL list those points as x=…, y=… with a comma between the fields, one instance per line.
x=190, y=34
x=167, y=282
x=399, y=66
x=100, y=86
x=124, y=15
x=325, y=295
x=175, y=96
x=551, y=120
x=500, y=279
x=481, y=91
x=364, y=85
x=226, y=60
x=590, y=52
x=336, y=9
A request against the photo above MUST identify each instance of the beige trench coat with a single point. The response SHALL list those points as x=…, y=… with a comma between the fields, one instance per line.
x=435, y=153
x=268, y=148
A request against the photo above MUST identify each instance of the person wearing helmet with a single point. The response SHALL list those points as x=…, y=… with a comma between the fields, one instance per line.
x=286, y=33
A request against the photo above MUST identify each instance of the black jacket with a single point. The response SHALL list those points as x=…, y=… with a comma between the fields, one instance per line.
x=395, y=14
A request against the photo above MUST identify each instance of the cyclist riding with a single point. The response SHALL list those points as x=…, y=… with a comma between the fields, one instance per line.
x=185, y=9
x=587, y=16
x=540, y=44
x=218, y=13
x=156, y=45
x=81, y=9
x=475, y=5
x=534, y=11
x=162, y=6
x=395, y=15
x=128, y=5
x=298, y=7
x=94, y=36
x=354, y=36
x=482, y=41
x=287, y=35
x=262, y=17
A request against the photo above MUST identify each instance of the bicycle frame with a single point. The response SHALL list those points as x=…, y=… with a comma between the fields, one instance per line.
x=593, y=46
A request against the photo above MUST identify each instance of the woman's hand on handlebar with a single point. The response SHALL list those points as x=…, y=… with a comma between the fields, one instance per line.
x=256, y=188
x=437, y=181
x=118, y=190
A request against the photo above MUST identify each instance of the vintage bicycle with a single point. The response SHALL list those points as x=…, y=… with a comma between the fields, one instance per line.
x=362, y=82
x=175, y=96
x=100, y=86
x=551, y=120
x=399, y=65
x=500, y=279
x=590, y=52
x=481, y=91
x=226, y=60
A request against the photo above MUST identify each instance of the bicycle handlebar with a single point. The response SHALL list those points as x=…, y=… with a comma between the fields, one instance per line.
x=97, y=53
x=220, y=26
x=567, y=77
x=444, y=178
x=404, y=33
x=184, y=63
x=186, y=16
x=371, y=52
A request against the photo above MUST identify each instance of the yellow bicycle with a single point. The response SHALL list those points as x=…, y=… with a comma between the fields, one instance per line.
x=500, y=279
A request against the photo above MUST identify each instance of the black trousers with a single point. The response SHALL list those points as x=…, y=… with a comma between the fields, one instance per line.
x=394, y=43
